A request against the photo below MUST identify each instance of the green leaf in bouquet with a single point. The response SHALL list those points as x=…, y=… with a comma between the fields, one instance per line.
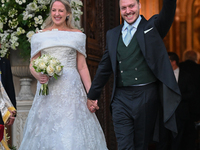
x=55, y=76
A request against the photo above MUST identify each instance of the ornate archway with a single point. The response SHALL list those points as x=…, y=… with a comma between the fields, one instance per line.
x=186, y=27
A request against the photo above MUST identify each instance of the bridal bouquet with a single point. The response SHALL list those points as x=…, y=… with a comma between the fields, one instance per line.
x=48, y=65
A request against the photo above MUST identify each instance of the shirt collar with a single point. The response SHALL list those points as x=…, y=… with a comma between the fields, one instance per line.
x=176, y=70
x=135, y=24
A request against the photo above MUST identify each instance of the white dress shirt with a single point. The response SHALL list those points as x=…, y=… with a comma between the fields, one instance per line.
x=135, y=25
x=176, y=73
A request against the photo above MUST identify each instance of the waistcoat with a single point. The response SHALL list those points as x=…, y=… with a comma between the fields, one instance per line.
x=132, y=68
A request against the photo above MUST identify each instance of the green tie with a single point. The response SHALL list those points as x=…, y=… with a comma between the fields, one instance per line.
x=128, y=36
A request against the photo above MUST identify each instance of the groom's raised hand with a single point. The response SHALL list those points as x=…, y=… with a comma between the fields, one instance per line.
x=92, y=105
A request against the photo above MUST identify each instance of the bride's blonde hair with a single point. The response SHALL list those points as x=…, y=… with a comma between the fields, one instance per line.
x=49, y=22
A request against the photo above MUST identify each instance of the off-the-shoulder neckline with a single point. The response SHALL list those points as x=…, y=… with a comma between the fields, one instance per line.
x=41, y=31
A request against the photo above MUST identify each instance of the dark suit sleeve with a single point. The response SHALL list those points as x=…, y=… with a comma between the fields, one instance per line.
x=166, y=17
x=102, y=75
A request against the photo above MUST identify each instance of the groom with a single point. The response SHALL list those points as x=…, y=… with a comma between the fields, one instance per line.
x=144, y=83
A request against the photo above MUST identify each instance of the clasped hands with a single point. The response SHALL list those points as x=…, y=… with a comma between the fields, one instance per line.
x=92, y=105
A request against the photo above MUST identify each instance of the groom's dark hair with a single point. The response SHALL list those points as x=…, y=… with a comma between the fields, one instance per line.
x=136, y=0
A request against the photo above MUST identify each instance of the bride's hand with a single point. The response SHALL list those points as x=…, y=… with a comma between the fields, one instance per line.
x=43, y=78
x=92, y=105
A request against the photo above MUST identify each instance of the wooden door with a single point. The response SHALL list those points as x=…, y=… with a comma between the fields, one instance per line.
x=98, y=17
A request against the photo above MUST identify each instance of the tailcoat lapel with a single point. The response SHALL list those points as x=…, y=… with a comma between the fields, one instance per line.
x=113, y=46
x=140, y=34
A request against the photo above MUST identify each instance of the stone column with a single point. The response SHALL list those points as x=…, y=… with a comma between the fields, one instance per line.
x=25, y=81
x=23, y=107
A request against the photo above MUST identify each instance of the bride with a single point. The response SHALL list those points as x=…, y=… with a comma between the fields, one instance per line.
x=61, y=120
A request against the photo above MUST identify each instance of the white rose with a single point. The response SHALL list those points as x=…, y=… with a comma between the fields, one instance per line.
x=53, y=62
x=36, y=62
x=50, y=70
x=42, y=65
x=45, y=58
x=58, y=70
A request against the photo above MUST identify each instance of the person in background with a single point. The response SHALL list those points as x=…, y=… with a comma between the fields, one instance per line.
x=6, y=78
x=186, y=86
x=189, y=65
x=7, y=116
x=7, y=82
x=143, y=76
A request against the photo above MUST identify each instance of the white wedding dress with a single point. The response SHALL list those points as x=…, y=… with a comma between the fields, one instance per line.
x=61, y=120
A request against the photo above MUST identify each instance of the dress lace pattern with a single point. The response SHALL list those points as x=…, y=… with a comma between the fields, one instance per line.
x=61, y=120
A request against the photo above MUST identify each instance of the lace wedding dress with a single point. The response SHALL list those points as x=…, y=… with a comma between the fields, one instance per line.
x=61, y=120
